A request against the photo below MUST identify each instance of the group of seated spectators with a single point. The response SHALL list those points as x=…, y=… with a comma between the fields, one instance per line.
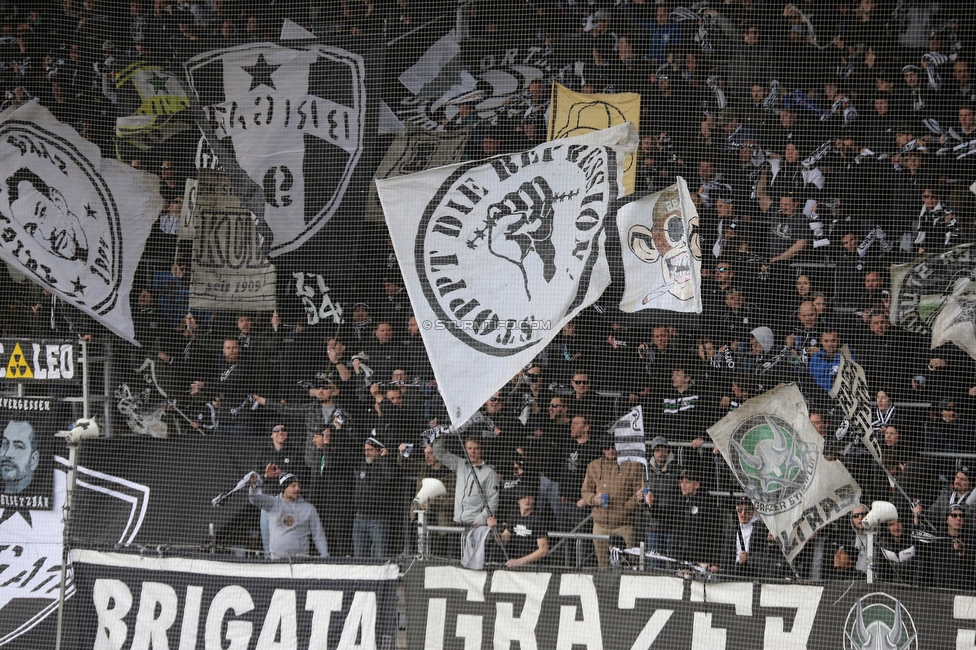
x=823, y=142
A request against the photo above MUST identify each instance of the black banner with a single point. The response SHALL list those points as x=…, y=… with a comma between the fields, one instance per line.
x=32, y=361
x=449, y=607
x=126, y=601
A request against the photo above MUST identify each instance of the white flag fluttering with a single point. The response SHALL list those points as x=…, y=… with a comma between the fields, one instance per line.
x=498, y=254
x=777, y=457
x=956, y=323
x=72, y=222
x=661, y=254
x=628, y=435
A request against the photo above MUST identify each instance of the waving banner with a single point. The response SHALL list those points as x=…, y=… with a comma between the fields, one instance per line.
x=160, y=101
x=661, y=254
x=628, y=436
x=230, y=270
x=920, y=288
x=295, y=118
x=777, y=457
x=573, y=113
x=956, y=323
x=73, y=222
x=498, y=254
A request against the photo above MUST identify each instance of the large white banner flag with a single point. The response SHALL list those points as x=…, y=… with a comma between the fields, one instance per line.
x=71, y=221
x=661, y=254
x=498, y=254
x=777, y=457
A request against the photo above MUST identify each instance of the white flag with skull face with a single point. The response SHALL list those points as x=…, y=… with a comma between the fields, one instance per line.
x=777, y=457
x=660, y=250
x=71, y=221
x=498, y=254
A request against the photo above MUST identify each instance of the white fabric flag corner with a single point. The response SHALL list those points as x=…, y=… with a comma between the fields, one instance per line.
x=73, y=222
x=498, y=254
x=661, y=253
x=956, y=323
x=777, y=457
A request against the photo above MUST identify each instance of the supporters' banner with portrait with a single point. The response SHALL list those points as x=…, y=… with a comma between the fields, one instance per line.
x=72, y=222
x=628, y=434
x=458, y=76
x=850, y=389
x=777, y=457
x=661, y=253
x=956, y=323
x=454, y=609
x=920, y=288
x=572, y=113
x=160, y=101
x=498, y=254
x=130, y=601
x=230, y=269
x=27, y=362
x=415, y=151
x=25, y=455
x=295, y=120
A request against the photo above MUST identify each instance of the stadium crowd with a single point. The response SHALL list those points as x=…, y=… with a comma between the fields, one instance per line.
x=824, y=141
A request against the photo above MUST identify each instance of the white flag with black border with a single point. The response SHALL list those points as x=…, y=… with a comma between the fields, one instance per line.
x=777, y=457
x=498, y=254
x=73, y=222
x=628, y=437
x=661, y=254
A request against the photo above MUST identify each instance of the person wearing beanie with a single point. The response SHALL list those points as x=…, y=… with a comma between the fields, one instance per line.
x=613, y=491
x=292, y=520
x=525, y=533
x=746, y=552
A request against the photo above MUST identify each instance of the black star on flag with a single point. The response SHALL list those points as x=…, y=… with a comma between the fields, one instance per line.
x=7, y=513
x=77, y=286
x=158, y=82
x=261, y=73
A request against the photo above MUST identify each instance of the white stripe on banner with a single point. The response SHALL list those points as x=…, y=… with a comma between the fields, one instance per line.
x=295, y=571
x=628, y=433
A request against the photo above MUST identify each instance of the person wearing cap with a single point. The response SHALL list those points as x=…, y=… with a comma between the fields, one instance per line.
x=746, y=551
x=277, y=458
x=524, y=532
x=947, y=559
x=696, y=522
x=361, y=321
x=292, y=520
x=612, y=491
x=372, y=493
x=660, y=481
x=960, y=493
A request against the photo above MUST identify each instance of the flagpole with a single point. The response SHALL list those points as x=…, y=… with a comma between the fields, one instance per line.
x=481, y=491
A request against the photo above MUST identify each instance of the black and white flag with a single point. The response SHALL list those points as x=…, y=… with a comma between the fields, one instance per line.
x=956, y=323
x=777, y=457
x=497, y=254
x=661, y=253
x=920, y=288
x=73, y=222
x=295, y=118
x=414, y=151
x=628, y=435
x=850, y=389
x=230, y=269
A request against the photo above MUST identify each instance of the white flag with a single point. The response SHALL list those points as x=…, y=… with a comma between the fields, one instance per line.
x=498, y=254
x=661, y=254
x=956, y=322
x=628, y=435
x=71, y=221
x=777, y=457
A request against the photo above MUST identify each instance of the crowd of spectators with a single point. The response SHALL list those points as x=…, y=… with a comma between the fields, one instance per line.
x=823, y=140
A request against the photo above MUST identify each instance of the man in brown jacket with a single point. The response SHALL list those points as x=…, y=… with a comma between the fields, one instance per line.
x=613, y=491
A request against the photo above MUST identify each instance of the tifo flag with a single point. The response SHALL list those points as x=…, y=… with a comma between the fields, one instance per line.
x=659, y=247
x=777, y=457
x=850, y=389
x=920, y=288
x=628, y=434
x=956, y=323
x=497, y=254
x=573, y=113
x=161, y=101
x=73, y=222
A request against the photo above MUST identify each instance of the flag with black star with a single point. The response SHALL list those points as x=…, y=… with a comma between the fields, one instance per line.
x=160, y=104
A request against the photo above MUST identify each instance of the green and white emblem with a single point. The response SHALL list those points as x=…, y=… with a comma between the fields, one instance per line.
x=770, y=460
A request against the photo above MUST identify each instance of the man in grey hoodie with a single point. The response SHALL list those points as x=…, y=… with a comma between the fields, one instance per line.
x=292, y=519
x=473, y=505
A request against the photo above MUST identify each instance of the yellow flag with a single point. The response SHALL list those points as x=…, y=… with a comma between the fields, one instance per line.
x=17, y=367
x=573, y=113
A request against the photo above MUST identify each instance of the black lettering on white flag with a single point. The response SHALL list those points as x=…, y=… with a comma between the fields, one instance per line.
x=230, y=270
x=497, y=254
x=71, y=221
x=295, y=120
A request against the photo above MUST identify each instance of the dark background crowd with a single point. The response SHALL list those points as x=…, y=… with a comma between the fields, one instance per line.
x=823, y=142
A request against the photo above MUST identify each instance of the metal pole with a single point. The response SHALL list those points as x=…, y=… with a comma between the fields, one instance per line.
x=870, y=553
x=73, y=449
x=481, y=491
x=84, y=380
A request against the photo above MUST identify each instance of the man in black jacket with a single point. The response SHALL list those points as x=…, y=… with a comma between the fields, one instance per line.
x=371, y=527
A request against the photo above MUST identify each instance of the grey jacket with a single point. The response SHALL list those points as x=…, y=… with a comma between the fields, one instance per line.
x=290, y=524
x=469, y=505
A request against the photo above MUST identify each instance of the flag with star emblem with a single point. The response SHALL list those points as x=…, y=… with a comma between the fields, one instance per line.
x=295, y=120
x=72, y=222
x=161, y=102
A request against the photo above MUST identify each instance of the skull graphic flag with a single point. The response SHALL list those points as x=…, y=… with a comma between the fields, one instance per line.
x=498, y=254
x=777, y=457
x=660, y=252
